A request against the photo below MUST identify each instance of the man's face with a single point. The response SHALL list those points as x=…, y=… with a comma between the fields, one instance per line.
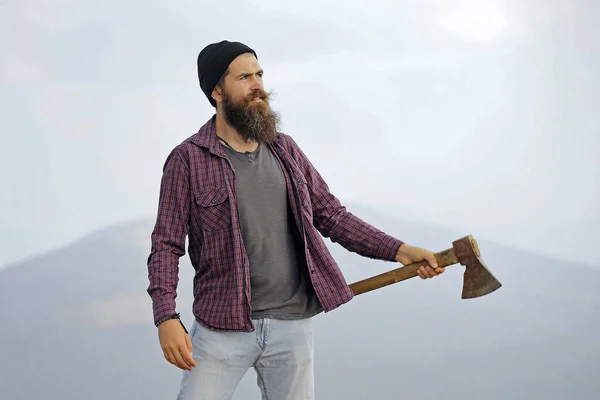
x=244, y=77
x=244, y=102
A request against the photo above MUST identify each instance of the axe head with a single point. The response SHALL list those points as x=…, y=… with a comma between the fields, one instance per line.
x=478, y=280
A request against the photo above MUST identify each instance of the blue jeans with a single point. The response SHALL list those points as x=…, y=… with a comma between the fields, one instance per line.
x=280, y=351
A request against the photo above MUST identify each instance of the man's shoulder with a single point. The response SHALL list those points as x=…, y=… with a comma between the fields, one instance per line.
x=286, y=141
x=189, y=143
x=198, y=141
x=184, y=147
x=186, y=151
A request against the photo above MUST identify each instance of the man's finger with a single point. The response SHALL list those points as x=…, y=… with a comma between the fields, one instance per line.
x=187, y=352
x=179, y=359
x=168, y=357
x=188, y=359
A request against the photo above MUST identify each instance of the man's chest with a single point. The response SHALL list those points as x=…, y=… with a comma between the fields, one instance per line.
x=259, y=178
x=233, y=184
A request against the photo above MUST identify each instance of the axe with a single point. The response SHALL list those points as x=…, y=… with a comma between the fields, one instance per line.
x=477, y=281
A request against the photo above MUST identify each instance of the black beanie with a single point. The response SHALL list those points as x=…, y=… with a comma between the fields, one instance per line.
x=213, y=61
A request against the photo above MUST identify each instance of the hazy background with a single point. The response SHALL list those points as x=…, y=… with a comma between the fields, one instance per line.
x=433, y=119
x=478, y=115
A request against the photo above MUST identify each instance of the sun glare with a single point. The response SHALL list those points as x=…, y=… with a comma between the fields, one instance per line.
x=473, y=20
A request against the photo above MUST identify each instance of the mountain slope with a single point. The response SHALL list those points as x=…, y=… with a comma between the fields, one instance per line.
x=78, y=324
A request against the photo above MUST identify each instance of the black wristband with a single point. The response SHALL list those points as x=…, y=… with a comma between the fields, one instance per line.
x=172, y=316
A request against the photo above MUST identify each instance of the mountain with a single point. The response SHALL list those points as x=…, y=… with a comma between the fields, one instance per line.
x=77, y=324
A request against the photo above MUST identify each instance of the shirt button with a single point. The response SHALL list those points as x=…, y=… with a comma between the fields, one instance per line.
x=312, y=271
x=213, y=201
x=316, y=283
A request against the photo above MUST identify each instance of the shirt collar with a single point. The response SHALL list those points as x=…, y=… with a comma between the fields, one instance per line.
x=207, y=137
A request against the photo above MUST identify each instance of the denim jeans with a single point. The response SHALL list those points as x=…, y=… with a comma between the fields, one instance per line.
x=280, y=351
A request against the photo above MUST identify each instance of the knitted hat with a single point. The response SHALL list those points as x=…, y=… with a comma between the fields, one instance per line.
x=213, y=61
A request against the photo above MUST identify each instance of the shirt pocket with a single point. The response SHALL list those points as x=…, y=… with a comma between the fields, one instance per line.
x=214, y=208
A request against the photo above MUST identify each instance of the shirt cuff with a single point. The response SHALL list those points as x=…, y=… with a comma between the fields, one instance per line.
x=163, y=308
x=388, y=249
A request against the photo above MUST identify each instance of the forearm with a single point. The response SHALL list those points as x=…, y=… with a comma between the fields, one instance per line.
x=163, y=274
x=334, y=221
x=168, y=236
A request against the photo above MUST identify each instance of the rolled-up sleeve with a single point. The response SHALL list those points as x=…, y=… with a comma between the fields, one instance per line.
x=169, y=234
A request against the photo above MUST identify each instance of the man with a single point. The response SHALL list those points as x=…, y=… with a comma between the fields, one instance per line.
x=255, y=211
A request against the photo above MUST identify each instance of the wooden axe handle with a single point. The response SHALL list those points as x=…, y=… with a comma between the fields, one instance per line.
x=444, y=258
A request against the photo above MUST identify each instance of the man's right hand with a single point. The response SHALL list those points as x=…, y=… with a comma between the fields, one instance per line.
x=176, y=344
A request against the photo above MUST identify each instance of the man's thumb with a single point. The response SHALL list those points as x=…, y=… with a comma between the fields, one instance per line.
x=432, y=261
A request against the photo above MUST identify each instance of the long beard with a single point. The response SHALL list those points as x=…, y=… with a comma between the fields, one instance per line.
x=254, y=121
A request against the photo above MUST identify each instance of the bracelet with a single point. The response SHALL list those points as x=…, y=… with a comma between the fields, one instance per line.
x=172, y=316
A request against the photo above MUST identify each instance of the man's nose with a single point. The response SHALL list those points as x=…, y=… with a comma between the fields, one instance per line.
x=256, y=84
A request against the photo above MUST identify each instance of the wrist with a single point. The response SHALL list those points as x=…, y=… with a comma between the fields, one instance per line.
x=403, y=252
x=175, y=316
x=167, y=318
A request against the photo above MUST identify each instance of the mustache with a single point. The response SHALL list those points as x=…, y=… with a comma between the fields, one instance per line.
x=259, y=94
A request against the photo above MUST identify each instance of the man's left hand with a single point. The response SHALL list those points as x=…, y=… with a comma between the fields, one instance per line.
x=408, y=254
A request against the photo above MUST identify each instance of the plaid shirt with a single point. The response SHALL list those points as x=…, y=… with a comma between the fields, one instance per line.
x=198, y=198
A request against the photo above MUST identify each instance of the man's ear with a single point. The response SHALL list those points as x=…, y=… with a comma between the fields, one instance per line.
x=217, y=93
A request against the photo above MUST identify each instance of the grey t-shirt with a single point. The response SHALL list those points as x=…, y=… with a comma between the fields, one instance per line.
x=280, y=285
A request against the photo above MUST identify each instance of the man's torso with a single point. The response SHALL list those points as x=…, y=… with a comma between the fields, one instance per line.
x=278, y=273
x=199, y=199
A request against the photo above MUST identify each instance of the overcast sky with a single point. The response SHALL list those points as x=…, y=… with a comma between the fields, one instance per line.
x=477, y=115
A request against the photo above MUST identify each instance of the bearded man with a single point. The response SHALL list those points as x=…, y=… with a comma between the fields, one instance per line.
x=255, y=211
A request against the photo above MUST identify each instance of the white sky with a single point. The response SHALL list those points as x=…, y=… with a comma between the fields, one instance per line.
x=476, y=115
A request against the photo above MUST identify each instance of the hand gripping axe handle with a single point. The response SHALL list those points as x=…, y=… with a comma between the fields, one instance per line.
x=477, y=280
